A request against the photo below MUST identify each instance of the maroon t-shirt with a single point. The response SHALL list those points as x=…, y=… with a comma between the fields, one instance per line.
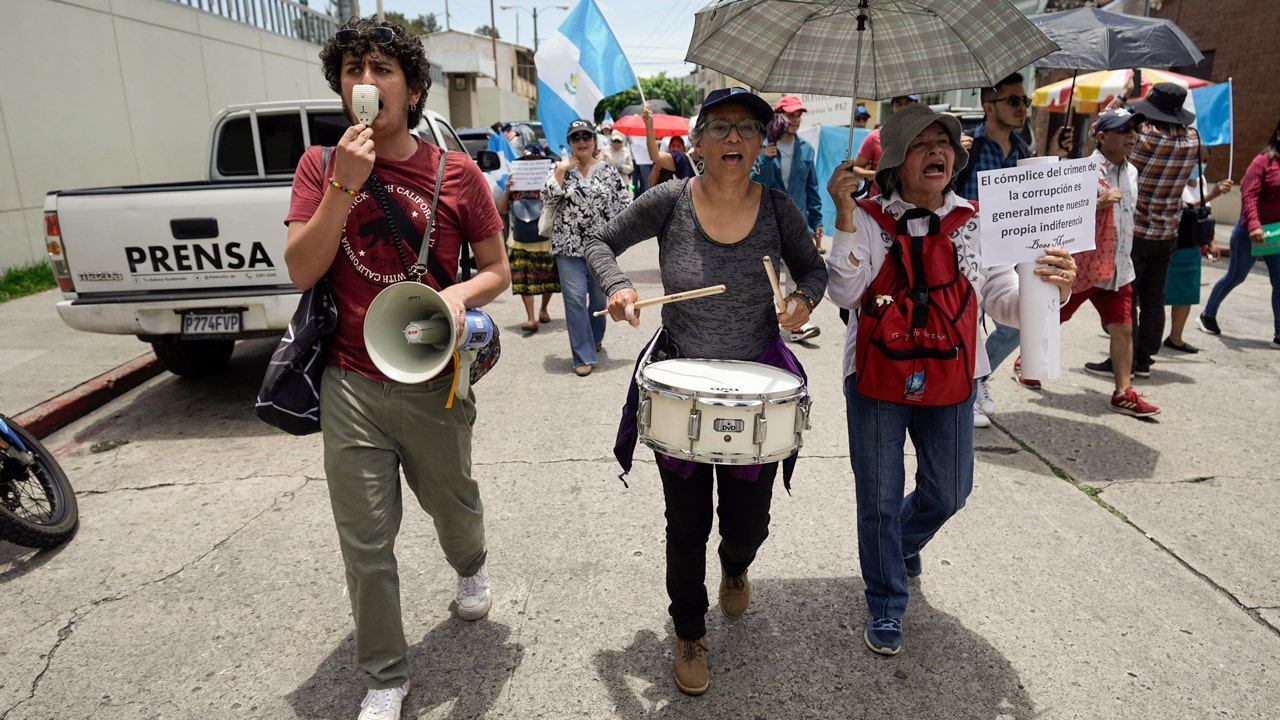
x=367, y=260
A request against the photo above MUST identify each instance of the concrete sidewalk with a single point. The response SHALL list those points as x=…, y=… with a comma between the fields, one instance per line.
x=1104, y=567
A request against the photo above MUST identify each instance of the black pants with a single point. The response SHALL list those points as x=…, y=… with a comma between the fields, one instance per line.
x=1151, y=268
x=744, y=525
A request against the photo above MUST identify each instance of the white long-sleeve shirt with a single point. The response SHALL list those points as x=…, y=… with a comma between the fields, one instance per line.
x=996, y=287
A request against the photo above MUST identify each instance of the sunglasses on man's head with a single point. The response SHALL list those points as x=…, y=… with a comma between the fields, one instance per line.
x=580, y=137
x=377, y=35
x=1015, y=101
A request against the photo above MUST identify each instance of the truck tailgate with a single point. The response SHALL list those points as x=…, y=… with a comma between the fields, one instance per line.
x=196, y=237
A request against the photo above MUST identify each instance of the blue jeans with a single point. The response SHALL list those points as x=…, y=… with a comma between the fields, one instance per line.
x=890, y=526
x=1001, y=342
x=582, y=296
x=1238, y=267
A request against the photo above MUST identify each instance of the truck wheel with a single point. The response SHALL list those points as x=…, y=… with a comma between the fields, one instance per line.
x=193, y=358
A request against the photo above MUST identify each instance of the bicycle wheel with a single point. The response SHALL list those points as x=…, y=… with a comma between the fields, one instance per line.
x=37, y=505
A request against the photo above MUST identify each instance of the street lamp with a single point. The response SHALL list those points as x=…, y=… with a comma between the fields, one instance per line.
x=534, y=11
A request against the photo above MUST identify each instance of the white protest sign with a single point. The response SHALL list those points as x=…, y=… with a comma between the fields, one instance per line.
x=529, y=175
x=1031, y=207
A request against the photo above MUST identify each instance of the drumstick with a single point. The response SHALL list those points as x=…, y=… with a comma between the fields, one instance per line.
x=674, y=297
x=773, y=280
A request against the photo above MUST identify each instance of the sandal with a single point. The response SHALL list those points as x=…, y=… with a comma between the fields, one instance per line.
x=544, y=317
x=529, y=327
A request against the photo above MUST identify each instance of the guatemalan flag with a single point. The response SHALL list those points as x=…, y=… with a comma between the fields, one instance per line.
x=578, y=66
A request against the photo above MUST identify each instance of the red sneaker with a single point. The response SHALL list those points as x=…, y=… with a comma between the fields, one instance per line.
x=1017, y=373
x=1130, y=402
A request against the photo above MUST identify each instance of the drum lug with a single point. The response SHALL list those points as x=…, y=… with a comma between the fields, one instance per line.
x=802, y=415
x=761, y=429
x=643, y=415
x=695, y=423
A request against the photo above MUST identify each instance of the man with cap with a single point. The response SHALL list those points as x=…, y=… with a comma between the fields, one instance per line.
x=861, y=116
x=618, y=156
x=1166, y=154
x=1116, y=133
x=789, y=165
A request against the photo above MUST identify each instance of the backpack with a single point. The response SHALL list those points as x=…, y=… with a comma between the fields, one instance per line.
x=918, y=324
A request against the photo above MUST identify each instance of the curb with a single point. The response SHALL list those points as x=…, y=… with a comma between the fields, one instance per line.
x=56, y=413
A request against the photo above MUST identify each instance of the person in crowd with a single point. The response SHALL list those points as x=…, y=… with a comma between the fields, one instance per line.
x=921, y=155
x=668, y=163
x=533, y=269
x=618, y=156
x=788, y=164
x=1116, y=135
x=584, y=193
x=868, y=157
x=714, y=229
x=1182, y=287
x=516, y=139
x=374, y=427
x=861, y=116
x=1259, y=205
x=995, y=145
x=1167, y=151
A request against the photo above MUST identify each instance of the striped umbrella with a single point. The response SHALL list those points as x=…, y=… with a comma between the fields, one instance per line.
x=1095, y=90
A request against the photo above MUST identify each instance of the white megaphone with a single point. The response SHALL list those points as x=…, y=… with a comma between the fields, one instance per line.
x=409, y=332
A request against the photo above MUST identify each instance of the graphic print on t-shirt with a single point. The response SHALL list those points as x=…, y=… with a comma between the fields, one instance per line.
x=367, y=242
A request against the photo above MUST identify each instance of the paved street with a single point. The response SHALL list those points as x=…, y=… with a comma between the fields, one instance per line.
x=1105, y=567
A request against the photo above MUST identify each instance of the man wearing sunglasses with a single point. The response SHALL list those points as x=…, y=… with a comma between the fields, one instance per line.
x=373, y=426
x=996, y=145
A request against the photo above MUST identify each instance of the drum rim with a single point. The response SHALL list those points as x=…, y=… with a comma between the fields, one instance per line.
x=800, y=390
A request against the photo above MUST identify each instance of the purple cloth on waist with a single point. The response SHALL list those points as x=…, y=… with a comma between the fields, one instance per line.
x=776, y=354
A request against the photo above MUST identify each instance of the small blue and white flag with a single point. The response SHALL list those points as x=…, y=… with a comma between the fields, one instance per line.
x=1213, y=113
x=578, y=66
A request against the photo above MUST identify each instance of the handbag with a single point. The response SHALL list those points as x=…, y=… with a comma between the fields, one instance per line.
x=485, y=357
x=1195, y=227
x=526, y=214
x=547, y=221
x=289, y=397
x=1099, y=264
x=1271, y=241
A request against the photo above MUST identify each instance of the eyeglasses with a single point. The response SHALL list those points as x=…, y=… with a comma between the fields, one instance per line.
x=1015, y=101
x=616, y=142
x=719, y=129
x=377, y=35
x=581, y=137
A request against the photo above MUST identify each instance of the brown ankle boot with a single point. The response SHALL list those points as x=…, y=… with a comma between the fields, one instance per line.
x=692, y=676
x=735, y=593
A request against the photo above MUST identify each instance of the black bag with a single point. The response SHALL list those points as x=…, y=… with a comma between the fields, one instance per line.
x=290, y=394
x=524, y=220
x=1196, y=227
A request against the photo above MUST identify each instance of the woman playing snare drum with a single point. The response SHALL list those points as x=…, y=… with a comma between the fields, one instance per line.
x=714, y=229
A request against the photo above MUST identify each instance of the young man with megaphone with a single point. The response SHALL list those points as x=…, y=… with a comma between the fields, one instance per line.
x=373, y=425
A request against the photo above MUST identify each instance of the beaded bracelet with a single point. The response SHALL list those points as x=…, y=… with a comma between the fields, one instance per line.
x=339, y=185
x=807, y=300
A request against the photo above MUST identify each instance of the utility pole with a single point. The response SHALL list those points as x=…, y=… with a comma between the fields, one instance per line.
x=493, y=37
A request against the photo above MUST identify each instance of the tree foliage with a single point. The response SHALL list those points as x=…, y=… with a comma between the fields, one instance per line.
x=421, y=25
x=674, y=90
x=487, y=31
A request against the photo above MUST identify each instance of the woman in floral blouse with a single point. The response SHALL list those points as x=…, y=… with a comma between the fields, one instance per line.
x=585, y=194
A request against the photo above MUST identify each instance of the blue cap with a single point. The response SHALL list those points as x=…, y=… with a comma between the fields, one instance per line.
x=861, y=112
x=740, y=96
x=1118, y=118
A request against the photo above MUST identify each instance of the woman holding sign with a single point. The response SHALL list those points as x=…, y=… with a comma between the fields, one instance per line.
x=910, y=262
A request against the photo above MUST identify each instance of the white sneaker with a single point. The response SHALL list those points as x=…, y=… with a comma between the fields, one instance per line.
x=979, y=419
x=984, y=401
x=383, y=704
x=807, y=331
x=474, y=598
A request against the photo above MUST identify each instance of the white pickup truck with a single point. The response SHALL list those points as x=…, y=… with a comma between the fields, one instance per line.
x=192, y=267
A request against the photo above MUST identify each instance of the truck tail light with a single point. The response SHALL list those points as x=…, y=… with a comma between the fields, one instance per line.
x=53, y=245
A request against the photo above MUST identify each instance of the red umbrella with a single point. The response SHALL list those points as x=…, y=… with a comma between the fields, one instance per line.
x=663, y=125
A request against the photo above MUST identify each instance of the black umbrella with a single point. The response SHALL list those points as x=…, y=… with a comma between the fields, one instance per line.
x=1093, y=39
x=658, y=104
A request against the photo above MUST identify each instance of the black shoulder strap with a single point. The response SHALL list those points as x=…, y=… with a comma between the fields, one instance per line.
x=402, y=227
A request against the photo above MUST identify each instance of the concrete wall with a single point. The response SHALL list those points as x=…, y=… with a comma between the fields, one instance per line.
x=121, y=92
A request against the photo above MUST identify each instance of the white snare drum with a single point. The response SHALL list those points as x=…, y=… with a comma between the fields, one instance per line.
x=721, y=411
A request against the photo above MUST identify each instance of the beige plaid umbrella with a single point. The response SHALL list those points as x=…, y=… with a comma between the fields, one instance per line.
x=865, y=48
